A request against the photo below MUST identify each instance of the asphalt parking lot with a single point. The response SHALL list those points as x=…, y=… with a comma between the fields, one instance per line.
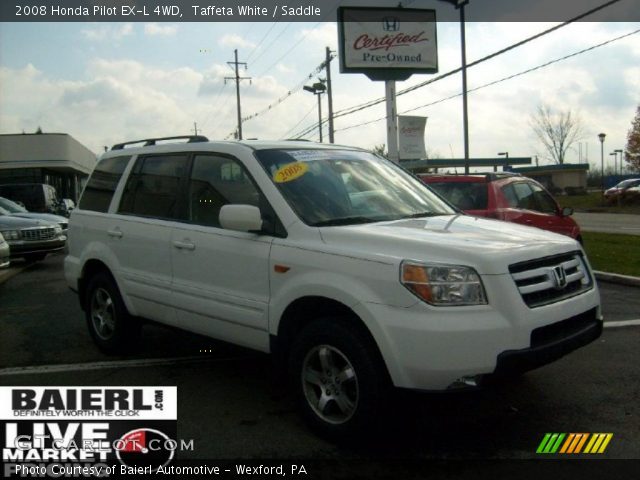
x=231, y=406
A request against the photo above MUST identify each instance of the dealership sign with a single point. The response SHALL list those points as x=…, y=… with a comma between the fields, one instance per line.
x=387, y=43
x=411, y=137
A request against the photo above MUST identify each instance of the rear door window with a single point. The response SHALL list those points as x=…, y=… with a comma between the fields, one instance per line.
x=153, y=187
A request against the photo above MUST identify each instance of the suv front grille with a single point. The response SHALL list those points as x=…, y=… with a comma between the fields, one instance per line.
x=551, y=279
x=36, y=234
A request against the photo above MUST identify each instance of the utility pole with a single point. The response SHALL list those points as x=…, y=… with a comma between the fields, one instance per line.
x=329, y=93
x=238, y=79
x=195, y=128
x=392, y=120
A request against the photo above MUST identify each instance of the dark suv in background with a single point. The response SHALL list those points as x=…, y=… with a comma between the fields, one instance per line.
x=508, y=197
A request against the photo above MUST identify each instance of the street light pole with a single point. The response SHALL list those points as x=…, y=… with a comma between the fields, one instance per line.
x=318, y=89
x=459, y=4
x=319, y=115
x=615, y=161
x=506, y=156
x=601, y=138
x=621, y=152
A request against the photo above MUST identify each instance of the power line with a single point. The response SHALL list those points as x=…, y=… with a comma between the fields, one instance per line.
x=214, y=102
x=273, y=24
x=503, y=79
x=286, y=27
x=289, y=93
x=313, y=107
x=371, y=103
x=322, y=20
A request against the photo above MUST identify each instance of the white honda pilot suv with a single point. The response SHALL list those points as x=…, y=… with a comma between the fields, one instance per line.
x=339, y=262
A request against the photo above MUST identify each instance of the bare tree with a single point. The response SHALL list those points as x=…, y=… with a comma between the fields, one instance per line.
x=557, y=131
x=632, y=154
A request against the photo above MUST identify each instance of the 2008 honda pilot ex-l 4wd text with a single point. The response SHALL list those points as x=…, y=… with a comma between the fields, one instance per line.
x=337, y=261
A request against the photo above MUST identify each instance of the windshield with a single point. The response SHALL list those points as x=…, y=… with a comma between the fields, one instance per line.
x=341, y=187
x=11, y=207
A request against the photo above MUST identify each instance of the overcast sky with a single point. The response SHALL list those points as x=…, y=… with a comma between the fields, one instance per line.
x=107, y=83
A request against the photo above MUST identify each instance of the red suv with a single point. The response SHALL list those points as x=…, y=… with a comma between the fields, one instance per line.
x=509, y=197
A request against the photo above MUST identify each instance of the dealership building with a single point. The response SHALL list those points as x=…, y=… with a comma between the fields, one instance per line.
x=56, y=159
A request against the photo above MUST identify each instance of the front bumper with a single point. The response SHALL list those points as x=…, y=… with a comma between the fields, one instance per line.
x=4, y=255
x=553, y=342
x=435, y=349
x=19, y=248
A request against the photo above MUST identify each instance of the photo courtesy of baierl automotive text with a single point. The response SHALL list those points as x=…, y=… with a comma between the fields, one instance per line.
x=341, y=239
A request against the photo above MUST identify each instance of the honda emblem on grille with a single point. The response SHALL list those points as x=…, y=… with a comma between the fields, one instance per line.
x=559, y=277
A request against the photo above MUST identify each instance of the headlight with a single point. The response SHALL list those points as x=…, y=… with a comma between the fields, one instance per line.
x=58, y=230
x=451, y=285
x=11, y=234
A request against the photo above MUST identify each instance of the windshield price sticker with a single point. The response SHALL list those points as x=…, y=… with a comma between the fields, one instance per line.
x=290, y=171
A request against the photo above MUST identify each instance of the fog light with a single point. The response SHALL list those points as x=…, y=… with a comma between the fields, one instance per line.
x=470, y=381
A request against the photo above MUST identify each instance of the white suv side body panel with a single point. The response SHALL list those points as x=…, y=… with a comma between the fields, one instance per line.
x=221, y=286
x=227, y=287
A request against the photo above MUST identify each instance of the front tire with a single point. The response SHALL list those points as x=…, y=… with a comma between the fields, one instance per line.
x=110, y=325
x=340, y=381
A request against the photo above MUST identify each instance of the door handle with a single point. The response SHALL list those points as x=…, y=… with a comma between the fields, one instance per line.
x=115, y=233
x=184, y=245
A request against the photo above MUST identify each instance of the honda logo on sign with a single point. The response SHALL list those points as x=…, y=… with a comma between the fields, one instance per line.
x=559, y=277
x=390, y=24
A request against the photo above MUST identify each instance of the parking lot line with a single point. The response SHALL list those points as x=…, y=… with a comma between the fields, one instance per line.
x=152, y=362
x=77, y=367
x=622, y=323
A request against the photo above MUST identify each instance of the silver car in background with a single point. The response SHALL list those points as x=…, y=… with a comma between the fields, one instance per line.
x=19, y=211
x=4, y=252
x=29, y=238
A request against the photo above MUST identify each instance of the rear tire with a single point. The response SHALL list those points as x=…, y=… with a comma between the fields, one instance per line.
x=340, y=381
x=111, y=326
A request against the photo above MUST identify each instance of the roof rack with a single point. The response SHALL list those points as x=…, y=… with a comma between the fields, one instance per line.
x=496, y=175
x=152, y=141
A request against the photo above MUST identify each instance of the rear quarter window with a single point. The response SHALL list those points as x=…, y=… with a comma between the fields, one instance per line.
x=102, y=184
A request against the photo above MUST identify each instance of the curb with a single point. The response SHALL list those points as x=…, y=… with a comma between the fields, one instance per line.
x=619, y=279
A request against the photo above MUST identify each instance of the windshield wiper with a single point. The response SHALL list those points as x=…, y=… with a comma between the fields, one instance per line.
x=344, y=221
x=423, y=214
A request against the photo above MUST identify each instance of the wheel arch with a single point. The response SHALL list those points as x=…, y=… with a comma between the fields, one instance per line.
x=91, y=268
x=307, y=309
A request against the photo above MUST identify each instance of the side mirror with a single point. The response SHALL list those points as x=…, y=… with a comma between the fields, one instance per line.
x=242, y=218
x=567, y=212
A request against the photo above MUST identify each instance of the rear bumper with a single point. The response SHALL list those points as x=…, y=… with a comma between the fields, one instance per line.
x=556, y=342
